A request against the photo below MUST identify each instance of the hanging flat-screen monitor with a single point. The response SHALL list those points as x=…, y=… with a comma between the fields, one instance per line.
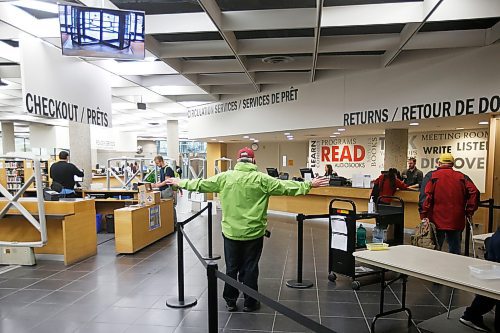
x=101, y=32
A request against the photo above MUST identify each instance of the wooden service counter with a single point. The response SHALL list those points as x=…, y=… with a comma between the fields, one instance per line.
x=318, y=199
x=106, y=201
x=71, y=228
x=138, y=227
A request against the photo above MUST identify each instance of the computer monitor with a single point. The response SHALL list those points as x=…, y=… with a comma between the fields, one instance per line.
x=307, y=173
x=273, y=172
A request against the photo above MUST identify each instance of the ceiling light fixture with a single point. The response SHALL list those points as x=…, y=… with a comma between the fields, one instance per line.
x=213, y=139
x=290, y=138
x=414, y=124
x=221, y=141
x=277, y=60
x=255, y=141
x=459, y=128
x=483, y=123
x=245, y=137
x=333, y=136
x=287, y=134
x=252, y=139
x=336, y=133
x=341, y=129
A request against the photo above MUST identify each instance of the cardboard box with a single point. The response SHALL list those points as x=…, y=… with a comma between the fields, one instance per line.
x=152, y=198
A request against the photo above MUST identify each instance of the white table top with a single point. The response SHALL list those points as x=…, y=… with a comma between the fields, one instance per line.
x=436, y=266
x=482, y=237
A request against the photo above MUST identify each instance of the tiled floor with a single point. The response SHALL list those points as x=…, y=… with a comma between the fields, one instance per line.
x=126, y=293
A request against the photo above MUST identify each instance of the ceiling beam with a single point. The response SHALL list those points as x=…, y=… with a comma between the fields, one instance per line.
x=493, y=34
x=317, y=34
x=410, y=30
x=213, y=11
x=202, y=48
x=447, y=39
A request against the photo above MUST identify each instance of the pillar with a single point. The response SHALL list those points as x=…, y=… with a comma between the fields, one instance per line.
x=173, y=140
x=492, y=188
x=80, y=151
x=215, y=151
x=8, y=138
x=396, y=149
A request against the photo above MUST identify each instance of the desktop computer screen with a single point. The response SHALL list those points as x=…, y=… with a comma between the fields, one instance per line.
x=273, y=172
x=307, y=173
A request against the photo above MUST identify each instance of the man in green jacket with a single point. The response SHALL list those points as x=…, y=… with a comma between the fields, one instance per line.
x=244, y=195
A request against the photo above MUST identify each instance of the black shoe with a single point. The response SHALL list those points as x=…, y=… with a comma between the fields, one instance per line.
x=231, y=306
x=251, y=308
x=476, y=324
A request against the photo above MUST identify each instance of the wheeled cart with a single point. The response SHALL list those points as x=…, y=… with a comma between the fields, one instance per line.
x=342, y=243
x=342, y=236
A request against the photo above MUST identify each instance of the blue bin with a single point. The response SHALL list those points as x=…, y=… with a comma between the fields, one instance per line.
x=98, y=222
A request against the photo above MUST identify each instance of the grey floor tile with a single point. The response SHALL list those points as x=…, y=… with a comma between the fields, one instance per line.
x=103, y=328
x=19, y=283
x=81, y=313
x=26, y=296
x=284, y=324
x=49, y=284
x=145, y=302
x=149, y=329
x=199, y=319
x=119, y=315
x=341, y=309
x=251, y=321
x=8, y=325
x=159, y=317
x=59, y=326
x=62, y=297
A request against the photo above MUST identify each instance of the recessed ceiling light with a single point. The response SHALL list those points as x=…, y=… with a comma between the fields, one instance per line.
x=341, y=129
x=290, y=138
x=213, y=139
x=221, y=141
x=459, y=128
x=252, y=139
x=333, y=136
x=256, y=141
x=245, y=137
x=336, y=133
x=287, y=133
x=483, y=123
x=414, y=124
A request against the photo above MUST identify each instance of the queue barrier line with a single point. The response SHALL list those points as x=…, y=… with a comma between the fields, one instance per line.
x=213, y=274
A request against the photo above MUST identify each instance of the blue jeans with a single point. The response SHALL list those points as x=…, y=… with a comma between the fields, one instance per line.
x=453, y=238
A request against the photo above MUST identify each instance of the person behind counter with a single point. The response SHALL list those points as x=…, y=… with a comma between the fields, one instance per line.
x=412, y=176
x=388, y=184
x=329, y=171
x=63, y=175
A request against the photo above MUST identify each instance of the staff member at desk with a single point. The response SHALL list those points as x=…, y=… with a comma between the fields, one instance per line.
x=329, y=171
x=412, y=176
x=63, y=175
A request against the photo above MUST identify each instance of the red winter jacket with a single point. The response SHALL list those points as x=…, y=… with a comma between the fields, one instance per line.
x=385, y=187
x=450, y=196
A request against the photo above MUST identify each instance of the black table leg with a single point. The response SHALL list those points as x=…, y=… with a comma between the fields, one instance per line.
x=383, y=286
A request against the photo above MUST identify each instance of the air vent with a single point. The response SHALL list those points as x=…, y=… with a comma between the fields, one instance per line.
x=154, y=124
x=277, y=60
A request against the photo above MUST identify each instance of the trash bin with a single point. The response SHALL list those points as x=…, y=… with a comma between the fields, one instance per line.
x=98, y=222
x=110, y=223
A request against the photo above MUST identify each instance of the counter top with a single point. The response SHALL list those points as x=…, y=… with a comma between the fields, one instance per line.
x=360, y=193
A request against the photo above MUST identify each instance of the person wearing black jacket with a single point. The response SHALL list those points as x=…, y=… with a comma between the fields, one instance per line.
x=63, y=175
x=481, y=305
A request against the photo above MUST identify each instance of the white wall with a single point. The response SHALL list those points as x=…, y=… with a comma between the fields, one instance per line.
x=418, y=78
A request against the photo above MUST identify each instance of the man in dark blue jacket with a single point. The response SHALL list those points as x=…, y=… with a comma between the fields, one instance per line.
x=481, y=305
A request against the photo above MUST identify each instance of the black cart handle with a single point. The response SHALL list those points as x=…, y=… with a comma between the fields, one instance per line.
x=353, y=205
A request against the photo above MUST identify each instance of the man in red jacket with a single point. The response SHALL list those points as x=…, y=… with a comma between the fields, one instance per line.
x=450, y=197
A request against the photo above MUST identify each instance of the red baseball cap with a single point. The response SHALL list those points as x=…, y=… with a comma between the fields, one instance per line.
x=246, y=153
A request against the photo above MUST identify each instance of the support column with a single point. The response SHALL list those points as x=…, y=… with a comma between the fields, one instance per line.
x=8, y=138
x=173, y=140
x=80, y=151
x=396, y=149
x=493, y=171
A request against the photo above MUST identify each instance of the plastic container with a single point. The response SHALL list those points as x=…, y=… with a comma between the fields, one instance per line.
x=377, y=246
x=361, y=236
x=379, y=235
x=485, y=272
x=110, y=223
x=98, y=222
x=371, y=206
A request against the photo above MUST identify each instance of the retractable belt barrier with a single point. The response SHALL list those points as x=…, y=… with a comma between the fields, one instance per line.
x=213, y=274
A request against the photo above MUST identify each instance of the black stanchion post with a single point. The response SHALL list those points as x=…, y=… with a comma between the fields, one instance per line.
x=210, y=255
x=213, y=315
x=181, y=301
x=299, y=283
x=491, y=203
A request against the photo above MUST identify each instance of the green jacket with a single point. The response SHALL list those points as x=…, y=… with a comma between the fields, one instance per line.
x=244, y=195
